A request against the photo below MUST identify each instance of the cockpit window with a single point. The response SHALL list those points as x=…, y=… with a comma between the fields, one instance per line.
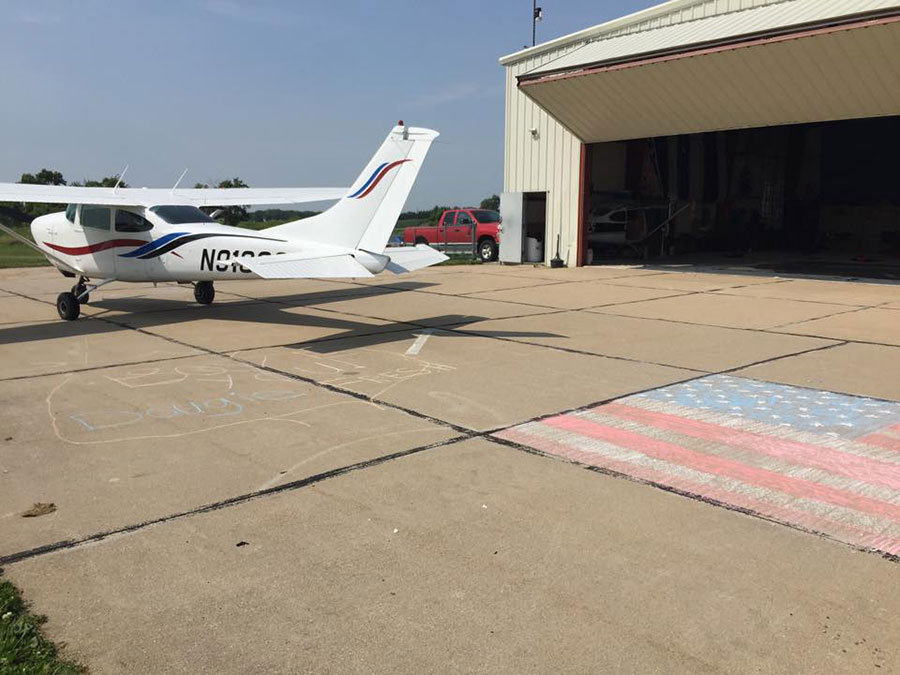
x=126, y=221
x=178, y=215
x=70, y=212
x=97, y=217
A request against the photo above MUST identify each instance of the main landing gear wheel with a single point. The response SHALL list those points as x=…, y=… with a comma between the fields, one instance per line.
x=68, y=306
x=77, y=290
x=204, y=293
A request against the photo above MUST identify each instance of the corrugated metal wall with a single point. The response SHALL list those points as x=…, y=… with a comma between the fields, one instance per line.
x=549, y=163
x=689, y=11
x=552, y=162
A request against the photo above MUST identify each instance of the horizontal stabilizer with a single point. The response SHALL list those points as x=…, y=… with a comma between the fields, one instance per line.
x=341, y=266
x=408, y=258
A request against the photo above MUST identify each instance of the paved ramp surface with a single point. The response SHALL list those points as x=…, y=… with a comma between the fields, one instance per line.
x=389, y=476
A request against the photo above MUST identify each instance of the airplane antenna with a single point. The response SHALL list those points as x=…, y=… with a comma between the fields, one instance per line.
x=183, y=174
x=119, y=179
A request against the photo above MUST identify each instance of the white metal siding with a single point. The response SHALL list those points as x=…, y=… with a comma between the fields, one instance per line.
x=550, y=163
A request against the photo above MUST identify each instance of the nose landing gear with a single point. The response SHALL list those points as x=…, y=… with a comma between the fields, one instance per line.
x=69, y=304
x=80, y=291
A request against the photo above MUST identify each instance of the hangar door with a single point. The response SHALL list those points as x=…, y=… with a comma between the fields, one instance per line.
x=833, y=72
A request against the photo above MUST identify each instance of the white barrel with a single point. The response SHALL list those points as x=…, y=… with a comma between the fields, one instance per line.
x=534, y=250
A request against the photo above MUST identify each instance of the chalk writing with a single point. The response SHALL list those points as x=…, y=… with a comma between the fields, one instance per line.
x=233, y=404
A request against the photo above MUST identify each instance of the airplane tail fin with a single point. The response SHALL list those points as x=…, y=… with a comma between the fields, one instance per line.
x=365, y=218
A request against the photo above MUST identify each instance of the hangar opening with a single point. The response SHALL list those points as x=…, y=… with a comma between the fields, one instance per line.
x=816, y=195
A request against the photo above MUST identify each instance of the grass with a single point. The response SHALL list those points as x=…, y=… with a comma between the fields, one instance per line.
x=459, y=259
x=17, y=254
x=23, y=648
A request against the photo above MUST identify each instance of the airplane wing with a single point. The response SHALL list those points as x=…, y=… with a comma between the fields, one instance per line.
x=70, y=194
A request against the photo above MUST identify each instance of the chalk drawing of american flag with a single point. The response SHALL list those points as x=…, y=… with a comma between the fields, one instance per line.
x=822, y=461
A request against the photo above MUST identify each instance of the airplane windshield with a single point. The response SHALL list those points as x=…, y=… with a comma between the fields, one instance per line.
x=178, y=215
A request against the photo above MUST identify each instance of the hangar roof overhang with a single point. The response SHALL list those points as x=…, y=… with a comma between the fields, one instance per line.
x=786, y=63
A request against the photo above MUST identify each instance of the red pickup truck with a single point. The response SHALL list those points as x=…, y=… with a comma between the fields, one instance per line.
x=454, y=232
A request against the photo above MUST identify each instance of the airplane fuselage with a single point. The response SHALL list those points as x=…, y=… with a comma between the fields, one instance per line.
x=146, y=248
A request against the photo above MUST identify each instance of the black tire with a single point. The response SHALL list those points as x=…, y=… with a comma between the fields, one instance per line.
x=421, y=240
x=204, y=293
x=487, y=250
x=68, y=306
x=77, y=290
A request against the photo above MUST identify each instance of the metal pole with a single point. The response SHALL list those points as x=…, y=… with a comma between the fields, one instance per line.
x=533, y=22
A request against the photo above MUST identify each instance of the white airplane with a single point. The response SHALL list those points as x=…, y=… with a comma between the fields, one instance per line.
x=159, y=235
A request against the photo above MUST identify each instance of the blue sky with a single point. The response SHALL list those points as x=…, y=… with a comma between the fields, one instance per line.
x=278, y=93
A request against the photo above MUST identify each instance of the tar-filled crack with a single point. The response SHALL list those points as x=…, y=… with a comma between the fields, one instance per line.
x=224, y=503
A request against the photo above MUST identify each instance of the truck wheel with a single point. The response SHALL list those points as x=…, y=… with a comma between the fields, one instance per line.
x=487, y=250
x=421, y=240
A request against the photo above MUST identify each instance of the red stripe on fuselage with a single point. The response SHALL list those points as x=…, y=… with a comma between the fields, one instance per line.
x=93, y=248
x=383, y=173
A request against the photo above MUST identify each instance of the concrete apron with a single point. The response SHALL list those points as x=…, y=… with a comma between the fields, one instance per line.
x=293, y=532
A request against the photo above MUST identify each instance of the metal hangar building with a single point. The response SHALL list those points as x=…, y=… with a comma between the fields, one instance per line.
x=708, y=127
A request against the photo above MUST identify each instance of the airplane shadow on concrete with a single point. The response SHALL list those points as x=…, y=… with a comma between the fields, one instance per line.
x=148, y=313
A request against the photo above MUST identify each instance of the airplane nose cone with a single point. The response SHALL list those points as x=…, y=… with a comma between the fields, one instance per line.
x=42, y=227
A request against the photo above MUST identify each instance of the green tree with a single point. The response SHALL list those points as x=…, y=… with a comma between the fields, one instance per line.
x=43, y=177
x=492, y=203
x=29, y=212
x=108, y=181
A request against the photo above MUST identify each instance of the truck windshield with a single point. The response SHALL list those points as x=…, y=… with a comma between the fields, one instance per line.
x=178, y=215
x=486, y=216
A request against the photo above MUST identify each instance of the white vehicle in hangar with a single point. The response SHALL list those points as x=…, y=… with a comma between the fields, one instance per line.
x=161, y=235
